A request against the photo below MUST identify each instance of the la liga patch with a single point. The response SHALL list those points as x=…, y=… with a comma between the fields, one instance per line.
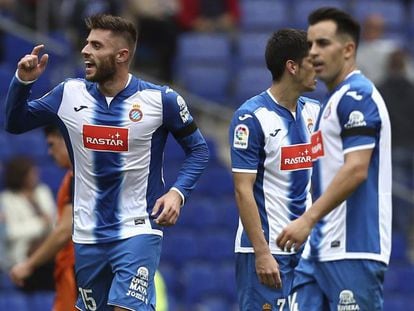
x=241, y=137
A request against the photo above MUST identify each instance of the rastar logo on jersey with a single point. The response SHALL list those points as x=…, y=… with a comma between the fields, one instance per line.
x=317, y=146
x=296, y=157
x=105, y=138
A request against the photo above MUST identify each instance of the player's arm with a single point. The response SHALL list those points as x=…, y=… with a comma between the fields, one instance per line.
x=267, y=268
x=53, y=243
x=349, y=177
x=180, y=123
x=21, y=115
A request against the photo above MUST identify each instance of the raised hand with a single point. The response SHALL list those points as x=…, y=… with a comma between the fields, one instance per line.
x=30, y=68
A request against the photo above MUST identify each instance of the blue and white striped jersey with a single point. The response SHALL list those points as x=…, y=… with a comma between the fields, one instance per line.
x=354, y=118
x=116, y=150
x=268, y=140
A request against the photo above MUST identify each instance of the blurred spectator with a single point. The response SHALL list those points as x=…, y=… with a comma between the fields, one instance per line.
x=374, y=48
x=28, y=208
x=157, y=29
x=209, y=15
x=398, y=93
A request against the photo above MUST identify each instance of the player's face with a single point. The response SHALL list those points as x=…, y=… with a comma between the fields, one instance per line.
x=99, y=55
x=327, y=50
x=307, y=75
x=57, y=149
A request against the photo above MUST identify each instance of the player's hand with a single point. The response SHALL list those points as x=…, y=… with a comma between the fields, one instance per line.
x=267, y=270
x=30, y=68
x=294, y=235
x=19, y=272
x=168, y=206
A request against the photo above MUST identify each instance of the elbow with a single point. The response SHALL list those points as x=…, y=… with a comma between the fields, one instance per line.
x=360, y=173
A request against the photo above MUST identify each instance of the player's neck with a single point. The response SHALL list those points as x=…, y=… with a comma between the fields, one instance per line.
x=285, y=95
x=345, y=71
x=113, y=86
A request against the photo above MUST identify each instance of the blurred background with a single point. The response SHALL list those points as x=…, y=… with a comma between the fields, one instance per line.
x=212, y=53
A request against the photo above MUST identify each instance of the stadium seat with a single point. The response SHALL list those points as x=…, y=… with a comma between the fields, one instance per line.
x=32, y=144
x=213, y=48
x=200, y=281
x=41, y=300
x=215, y=303
x=180, y=246
x=14, y=301
x=215, y=181
x=251, y=48
x=217, y=245
x=399, y=248
x=301, y=10
x=208, y=81
x=263, y=15
x=250, y=81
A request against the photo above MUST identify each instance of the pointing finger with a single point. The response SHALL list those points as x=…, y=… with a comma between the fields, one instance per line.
x=37, y=49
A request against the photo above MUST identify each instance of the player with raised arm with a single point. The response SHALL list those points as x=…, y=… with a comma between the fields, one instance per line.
x=115, y=126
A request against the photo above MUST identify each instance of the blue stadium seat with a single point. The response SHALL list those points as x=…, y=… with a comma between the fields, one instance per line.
x=200, y=281
x=15, y=48
x=180, y=246
x=251, y=48
x=301, y=10
x=14, y=301
x=41, y=300
x=399, y=248
x=215, y=303
x=227, y=280
x=217, y=245
x=250, y=81
x=263, y=15
x=215, y=181
x=208, y=81
x=32, y=144
x=199, y=48
x=6, y=74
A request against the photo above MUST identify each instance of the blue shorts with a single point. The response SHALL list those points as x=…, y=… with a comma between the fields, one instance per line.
x=119, y=273
x=352, y=284
x=252, y=295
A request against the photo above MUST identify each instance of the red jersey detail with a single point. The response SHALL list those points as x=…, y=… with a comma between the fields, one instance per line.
x=317, y=145
x=105, y=138
x=296, y=157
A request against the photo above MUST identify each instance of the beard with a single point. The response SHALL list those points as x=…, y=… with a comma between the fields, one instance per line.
x=104, y=71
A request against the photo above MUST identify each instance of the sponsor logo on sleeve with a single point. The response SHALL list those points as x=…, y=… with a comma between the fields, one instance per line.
x=317, y=146
x=241, y=137
x=105, y=138
x=245, y=116
x=356, y=119
x=184, y=113
x=296, y=157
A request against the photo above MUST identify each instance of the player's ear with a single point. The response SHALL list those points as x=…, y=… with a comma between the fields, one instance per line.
x=122, y=56
x=291, y=67
x=349, y=49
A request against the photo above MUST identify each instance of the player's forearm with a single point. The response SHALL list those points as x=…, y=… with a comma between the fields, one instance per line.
x=16, y=108
x=250, y=218
x=348, y=178
x=197, y=156
x=54, y=242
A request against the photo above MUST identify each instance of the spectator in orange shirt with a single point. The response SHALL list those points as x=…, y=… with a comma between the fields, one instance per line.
x=58, y=243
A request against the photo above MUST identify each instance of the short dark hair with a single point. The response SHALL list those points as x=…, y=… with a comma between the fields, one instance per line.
x=51, y=129
x=16, y=171
x=345, y=23
x=116, y=24
x=283, y=45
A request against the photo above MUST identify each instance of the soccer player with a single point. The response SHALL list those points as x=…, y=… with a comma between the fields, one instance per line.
x=115, y=126
x=348, y=250
x=58, y=243
x=271, y=164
